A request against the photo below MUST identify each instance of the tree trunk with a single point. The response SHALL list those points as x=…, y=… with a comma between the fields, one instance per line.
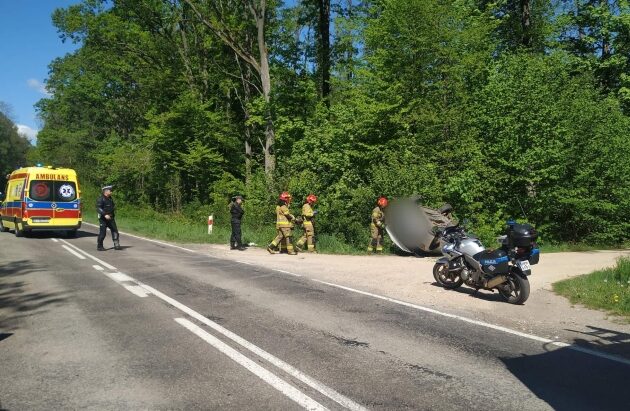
x=526, y=15
x=265, y=79
x=324, y=49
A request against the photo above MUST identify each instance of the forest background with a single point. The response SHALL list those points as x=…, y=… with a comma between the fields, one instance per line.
x=501, y=108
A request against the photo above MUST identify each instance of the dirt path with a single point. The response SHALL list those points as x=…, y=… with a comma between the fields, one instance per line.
x=410, y=279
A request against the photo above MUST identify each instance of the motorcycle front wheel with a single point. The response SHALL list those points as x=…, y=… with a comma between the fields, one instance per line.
x=515, y=290
x=445, y=278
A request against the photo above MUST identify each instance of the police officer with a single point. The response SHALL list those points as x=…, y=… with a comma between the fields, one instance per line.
x=106, y=218
x=377, y=225
x=308, y=215
x=284, y=224
x=236, y=211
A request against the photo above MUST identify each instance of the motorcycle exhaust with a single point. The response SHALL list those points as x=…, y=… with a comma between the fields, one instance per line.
x=494, y=281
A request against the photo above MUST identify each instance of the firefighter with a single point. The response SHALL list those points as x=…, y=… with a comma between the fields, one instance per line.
x=284, y=224
x=106, y=218
x=377, y=225
x=308, y=215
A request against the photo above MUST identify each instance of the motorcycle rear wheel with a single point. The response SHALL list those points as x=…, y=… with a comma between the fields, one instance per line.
x=515, y=290
x=445, y=278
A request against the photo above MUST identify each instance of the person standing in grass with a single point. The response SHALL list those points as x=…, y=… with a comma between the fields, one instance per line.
x=377, y=226
x=236, y=212
x=308, y=215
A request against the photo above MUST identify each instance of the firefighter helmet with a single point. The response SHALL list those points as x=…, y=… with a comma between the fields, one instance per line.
x=311, y=199
x=382, y=202
x=285, y=196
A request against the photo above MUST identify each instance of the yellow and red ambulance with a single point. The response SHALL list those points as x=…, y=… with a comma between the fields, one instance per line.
x=41, y=198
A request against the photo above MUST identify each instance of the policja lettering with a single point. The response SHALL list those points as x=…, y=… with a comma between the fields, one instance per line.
x=106, y=210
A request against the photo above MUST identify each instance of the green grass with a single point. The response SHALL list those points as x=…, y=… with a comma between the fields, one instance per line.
x=577, y=247
x=177, y=228
x=607, y=289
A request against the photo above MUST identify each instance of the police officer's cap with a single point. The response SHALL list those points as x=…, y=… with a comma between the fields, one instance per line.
x=110, y=188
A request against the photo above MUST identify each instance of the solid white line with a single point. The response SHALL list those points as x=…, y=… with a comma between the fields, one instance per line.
x=136, y=289
x=153, y=241
x=55, y=240
x=103, y=263
x=262, y=373
x=484, y=324
x=311, y=382
x=287, y=272
x=71, y=251
x=98, y=267
x=243, y=262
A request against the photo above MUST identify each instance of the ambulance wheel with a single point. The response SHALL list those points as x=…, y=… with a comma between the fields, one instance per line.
x=3, y=229
x=18, y=231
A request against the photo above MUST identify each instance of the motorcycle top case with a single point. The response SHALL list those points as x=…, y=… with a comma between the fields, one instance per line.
x=493, y=261
x=522, y=235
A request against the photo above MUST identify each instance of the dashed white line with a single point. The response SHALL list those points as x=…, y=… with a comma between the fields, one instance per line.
x=71, y=251
x=262, y=373
x=55, y=240
x=136, y=289
x=150, y=240
x=289, y=369
x=483, y=324
x=118, y=277
x=101, y=262
x=98, y=267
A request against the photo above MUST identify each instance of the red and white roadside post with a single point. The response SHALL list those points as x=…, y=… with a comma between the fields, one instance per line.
x=210, y=223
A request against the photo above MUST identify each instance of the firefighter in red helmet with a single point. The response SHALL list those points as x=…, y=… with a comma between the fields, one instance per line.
x=284, y=224
x=377, y=225
x=308, y=216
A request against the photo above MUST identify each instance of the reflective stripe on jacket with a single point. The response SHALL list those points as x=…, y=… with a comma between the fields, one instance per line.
x=283, y=217
x=377, y=217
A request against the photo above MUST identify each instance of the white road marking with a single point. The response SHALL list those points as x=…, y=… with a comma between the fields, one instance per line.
x=311, y=382
x=55, y=240
x=101, y=262
x=71, y=251
x=153, y=241
x=136, y=289
x=118, y=277
x=484, y=324
x=287, y=272
x=98, y=267
x=289, y=369
x=427, y=309
x=262, y=373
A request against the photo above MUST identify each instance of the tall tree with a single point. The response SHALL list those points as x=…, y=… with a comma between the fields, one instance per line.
x=323, y=48
x=229, y=20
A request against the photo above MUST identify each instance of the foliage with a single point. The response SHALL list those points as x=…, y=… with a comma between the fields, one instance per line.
x=458, y=101
x=607, y=289
x=13, y=147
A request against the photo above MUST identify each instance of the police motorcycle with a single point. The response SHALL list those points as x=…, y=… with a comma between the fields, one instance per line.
x=466, y=260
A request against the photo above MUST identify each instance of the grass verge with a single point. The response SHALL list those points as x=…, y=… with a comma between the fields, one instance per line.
x=177, y=228
x=607, y=289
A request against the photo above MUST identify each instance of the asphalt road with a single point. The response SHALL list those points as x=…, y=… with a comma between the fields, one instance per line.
x=158, y=327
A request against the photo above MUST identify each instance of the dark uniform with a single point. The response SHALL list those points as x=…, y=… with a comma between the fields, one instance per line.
x=105, y=207
x=236, y=211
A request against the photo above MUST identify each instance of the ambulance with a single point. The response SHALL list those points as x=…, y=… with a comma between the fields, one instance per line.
x=41, y=199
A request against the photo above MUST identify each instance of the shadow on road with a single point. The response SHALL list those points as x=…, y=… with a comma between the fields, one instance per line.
x=481, y=294
x=60, y=234
x=16, y=302
x=570, y=380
